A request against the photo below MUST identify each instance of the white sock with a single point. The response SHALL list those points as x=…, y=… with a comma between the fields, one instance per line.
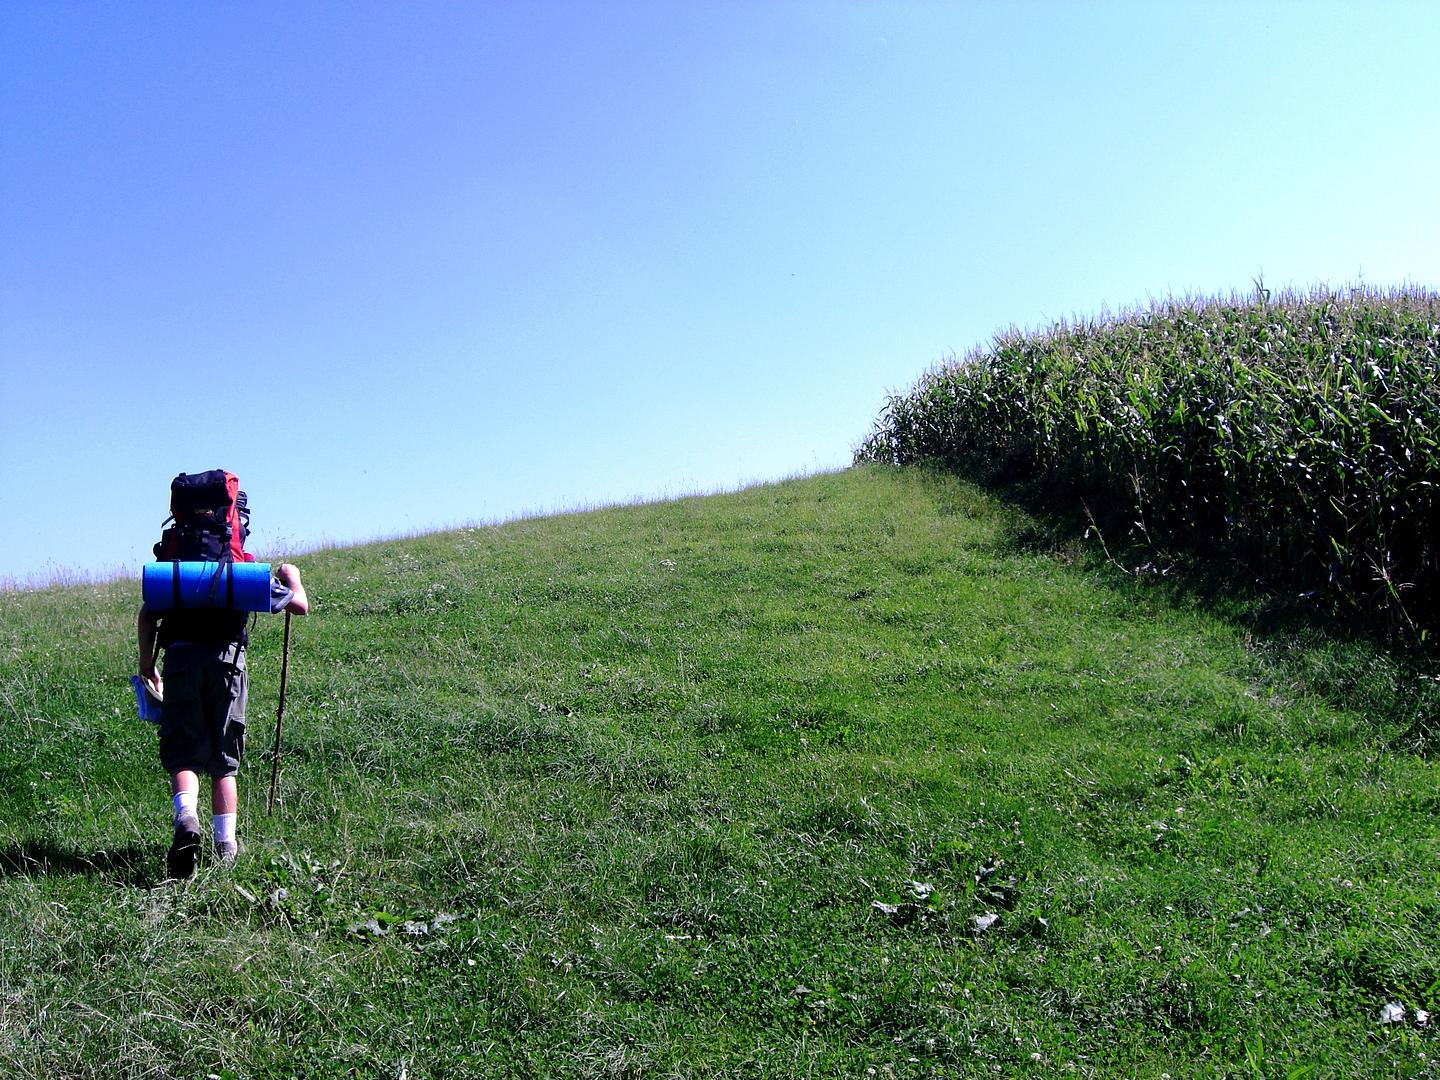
x=183, y=801
x=224, y=825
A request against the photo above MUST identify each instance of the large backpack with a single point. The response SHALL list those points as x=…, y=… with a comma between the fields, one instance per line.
x=211, y=521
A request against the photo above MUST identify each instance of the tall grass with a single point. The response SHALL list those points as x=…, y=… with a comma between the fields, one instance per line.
x=1299, y=432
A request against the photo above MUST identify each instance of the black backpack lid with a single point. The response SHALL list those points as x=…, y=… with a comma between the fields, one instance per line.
x=194, y=492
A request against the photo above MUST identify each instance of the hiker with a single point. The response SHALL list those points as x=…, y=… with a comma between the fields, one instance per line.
x=202, y=694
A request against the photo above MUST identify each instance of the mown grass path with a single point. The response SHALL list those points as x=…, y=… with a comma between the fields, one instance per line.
x=819, y=778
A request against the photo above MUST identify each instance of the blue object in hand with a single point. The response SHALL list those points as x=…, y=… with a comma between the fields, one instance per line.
x=146, y=703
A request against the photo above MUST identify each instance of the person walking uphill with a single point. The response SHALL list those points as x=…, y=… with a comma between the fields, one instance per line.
x=203, y=690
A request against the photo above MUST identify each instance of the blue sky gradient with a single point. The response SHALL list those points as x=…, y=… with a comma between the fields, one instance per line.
x=403, y=266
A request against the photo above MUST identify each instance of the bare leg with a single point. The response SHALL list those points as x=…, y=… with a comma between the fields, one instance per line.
x=185, y=780
x=224, y=796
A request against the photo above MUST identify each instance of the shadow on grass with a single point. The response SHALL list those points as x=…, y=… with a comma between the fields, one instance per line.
x=1354, y=657
x=133, y=864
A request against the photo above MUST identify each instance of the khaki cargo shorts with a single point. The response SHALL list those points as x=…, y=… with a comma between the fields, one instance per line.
x=202, y=724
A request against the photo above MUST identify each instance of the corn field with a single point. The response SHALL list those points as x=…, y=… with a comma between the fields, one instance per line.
x=1300, y=433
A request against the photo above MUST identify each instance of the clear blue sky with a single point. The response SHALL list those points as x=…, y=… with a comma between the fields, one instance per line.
x=405, y=265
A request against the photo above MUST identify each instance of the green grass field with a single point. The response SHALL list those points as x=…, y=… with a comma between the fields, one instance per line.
x=844, y=776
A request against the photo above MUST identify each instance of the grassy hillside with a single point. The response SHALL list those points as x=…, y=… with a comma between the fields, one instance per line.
x=834, y=777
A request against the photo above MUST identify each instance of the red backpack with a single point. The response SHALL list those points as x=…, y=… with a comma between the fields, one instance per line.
x=211, y=520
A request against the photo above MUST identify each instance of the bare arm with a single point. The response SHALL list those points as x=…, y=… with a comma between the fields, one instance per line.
x=147, y=625
x=289, y=575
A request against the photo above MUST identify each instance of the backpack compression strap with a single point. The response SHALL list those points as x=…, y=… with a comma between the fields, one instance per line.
x=227, y=568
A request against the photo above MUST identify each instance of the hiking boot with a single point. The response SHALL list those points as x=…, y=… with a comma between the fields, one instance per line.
x=226, y=852
x=180, y=862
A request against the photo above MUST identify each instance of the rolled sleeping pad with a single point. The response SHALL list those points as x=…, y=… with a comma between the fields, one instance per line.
x=239, y=586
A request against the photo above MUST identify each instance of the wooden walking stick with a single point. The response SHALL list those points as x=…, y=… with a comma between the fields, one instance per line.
x=279, y=719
